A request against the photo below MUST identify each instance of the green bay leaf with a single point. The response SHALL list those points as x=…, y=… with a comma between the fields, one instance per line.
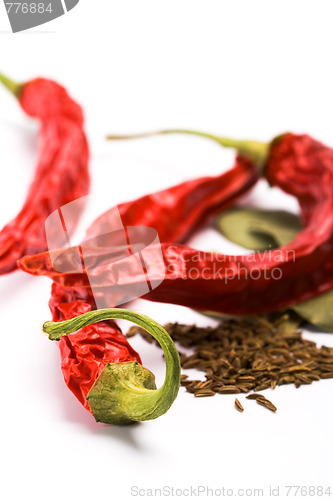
x=258, y=229
x=318, y=311
x=261, y=230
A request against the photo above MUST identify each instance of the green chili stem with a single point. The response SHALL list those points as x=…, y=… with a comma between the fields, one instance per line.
x=257, y=151
x=13, y=87
x=125, y=392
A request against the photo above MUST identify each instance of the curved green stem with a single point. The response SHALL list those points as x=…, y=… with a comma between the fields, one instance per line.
x=126, y=392
x=13, y=87
x=257, y=151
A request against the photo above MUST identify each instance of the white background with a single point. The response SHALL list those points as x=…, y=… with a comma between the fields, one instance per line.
x=247, y=69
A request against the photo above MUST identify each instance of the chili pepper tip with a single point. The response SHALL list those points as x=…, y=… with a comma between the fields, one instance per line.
x=13, y=87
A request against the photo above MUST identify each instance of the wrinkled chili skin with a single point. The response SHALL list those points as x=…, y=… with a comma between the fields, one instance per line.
x=61, y=175
x=85, y=354
x=303, y=167
x=300, y=166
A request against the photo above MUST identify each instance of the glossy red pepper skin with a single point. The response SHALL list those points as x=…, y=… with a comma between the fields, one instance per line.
x=85, y=354
x=301, y=167
x=62, y=172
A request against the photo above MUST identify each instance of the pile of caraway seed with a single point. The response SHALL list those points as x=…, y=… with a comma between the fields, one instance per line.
x=240, y=356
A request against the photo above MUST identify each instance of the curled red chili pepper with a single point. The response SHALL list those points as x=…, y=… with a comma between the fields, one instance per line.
x=258, y=282
x=302, y=167
x=62, y=172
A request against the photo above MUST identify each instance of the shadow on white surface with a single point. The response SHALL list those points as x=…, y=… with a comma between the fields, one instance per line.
x=74, y=412
x=126, y=434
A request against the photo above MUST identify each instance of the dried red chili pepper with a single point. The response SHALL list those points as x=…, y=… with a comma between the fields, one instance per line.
x=300, y=166
x=99, y=365
x=62, y=172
